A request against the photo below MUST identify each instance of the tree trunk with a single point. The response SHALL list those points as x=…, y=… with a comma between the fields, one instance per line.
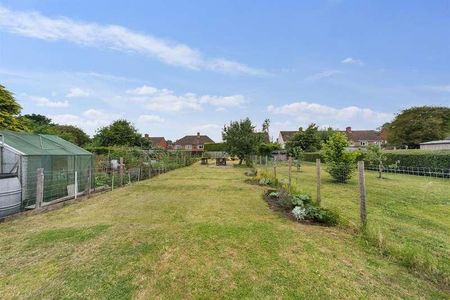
x=380, y=170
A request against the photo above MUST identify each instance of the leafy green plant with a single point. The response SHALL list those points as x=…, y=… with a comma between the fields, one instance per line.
x=301, y=199
x=341, y=163
x=299, y=213
x=273, y=195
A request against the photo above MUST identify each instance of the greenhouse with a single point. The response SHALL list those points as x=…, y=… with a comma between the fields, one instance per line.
x=22, y=154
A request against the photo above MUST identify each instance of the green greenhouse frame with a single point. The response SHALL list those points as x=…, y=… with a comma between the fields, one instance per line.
x=21, y=154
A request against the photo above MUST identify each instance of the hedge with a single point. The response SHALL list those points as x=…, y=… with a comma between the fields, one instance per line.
x=406, y=158
x=419, y=158
x=215, y=147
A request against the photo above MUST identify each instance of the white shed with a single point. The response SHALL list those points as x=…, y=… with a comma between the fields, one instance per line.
x=436, y=145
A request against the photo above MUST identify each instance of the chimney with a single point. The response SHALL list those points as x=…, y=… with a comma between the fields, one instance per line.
x=348, y=129
x=198, y=134
x=146, y=135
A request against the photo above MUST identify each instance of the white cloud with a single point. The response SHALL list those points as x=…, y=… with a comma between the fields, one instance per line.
x=45, y=102
x=90, y=120
x=36, y=25
x=165, y=100
x=77, y=93
x=143, y=90
x=326, y=115
x=323, y=74
x=150, y=119
x=352, y=61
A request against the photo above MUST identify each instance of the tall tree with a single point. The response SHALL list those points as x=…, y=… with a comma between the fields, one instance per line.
x=72, y=134
x=241, y=139
x=418, y=125
x=120, y=133
x=307, y=140
x=9, y=111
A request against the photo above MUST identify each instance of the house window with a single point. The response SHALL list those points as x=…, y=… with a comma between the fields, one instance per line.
x=188, y=147
x=363, y=143
x=200, y=146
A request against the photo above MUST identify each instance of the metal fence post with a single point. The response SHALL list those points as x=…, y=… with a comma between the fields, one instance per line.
x=76, y=184
x=362, y=193
x=39, y=187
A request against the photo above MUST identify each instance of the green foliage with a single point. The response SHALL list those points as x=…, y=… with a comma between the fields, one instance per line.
x=266, y=149
x=9, y=111
x=301, y=199
x=241, y=140
x=120, y=133
x=376, y=156
x=41, y=124
x=341, y=163
x=418, y=158
x=306, y=140
x=419, y=124
x=215, y=147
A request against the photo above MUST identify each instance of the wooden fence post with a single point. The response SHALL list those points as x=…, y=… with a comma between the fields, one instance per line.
x=318, y=180
x=362, y=193
x=39, y=187
x=290, y=166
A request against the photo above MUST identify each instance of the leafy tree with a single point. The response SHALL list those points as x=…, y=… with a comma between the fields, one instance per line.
x=419, y=124
x=120, y=133
x=266, y=125
x=241, y=140
x=375, y=155
x=9, y=111
x=307, y=140
x=266, y=149
x=340, y=163
x=72, y=134
x=297, y=154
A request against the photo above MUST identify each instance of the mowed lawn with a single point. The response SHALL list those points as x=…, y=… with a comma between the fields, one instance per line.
x=408, y=216
x=197, y=232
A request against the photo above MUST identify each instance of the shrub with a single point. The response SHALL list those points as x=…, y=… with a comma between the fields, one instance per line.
x=312, y=156
x=273, y=195
x=419, y=158
x=301, y=199
x=299, y=213
x=341, y=163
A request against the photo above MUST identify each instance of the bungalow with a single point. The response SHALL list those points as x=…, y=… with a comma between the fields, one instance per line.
x=194, y=143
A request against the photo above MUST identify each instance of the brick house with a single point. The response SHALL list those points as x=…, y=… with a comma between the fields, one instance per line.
x=357, y=138
x=157, y=142
x=194, y=143
x=363, y=138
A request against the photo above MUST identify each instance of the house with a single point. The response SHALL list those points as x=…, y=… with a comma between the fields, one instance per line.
x=284, y=137
x=65, y=165
x=436, y=145
x=363, y=138
x=194, y=143
x=157, y=142
x=357, y=138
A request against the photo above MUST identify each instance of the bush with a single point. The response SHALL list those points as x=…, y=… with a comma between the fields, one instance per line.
x=215, y=147
x=301, y=199
x=341, y=163
x=299, y=213
x=419, y=158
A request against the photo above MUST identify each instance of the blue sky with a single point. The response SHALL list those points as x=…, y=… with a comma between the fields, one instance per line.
x=178, y=67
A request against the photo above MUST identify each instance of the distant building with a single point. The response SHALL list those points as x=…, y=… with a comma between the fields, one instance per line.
x=436, y=145
x=194, y=143
x=157, y=142
x=357, y=138
x=284, y=137
x=363, y=138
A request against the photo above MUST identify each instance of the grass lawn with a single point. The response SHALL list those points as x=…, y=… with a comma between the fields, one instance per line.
x=408, y=216
x=197, y=232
